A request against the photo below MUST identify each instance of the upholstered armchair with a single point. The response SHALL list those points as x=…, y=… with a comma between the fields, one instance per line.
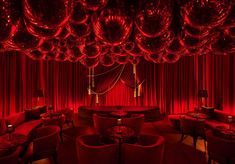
x=148, y=150
x=102, y=123
x=220, y=149
x=45, y=144
x=91, y=150
x=135, y=122
x=11, y=157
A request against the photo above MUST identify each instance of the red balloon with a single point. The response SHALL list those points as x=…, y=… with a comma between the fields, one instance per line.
x=74, y=52
x=224, y=44
x=90, y=50
x=63, y=49
x=94, y=5
x=112, y=26
x=121, y=58
x=90, y=62
x=175, y=47
x=205, y=14
x=79, y=14
x=23, y=40
x=10, y=10
x=47, y=13
x=104, y=49
x=136, y=51
x=61, y=57
x=73, y=59
x=55, y=42
x=106, y=60
x=195, y=32
x=42, y=32
x=79, y=30
x=128, y=46
x=64, y=33
x=192, y=42
x=230, y=32
x=46, y=46
x=51, y=55
x=74, y=41
x=193, y=51
x=116, y=49
x=153, y=45
x=35, y=54
x=155, y=57
x=134, y=60
x=230, y=20
x=154, y=20
x=7, y=29
x=171, y=58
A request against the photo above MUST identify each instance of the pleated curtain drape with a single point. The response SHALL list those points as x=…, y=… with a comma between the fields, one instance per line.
x=171, y=87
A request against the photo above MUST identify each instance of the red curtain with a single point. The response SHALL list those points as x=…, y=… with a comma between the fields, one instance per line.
x=172, y=87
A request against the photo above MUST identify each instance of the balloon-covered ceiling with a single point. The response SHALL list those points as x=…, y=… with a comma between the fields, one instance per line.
x=117, y=31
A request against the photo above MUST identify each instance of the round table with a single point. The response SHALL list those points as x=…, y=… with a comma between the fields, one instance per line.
x=120, y=132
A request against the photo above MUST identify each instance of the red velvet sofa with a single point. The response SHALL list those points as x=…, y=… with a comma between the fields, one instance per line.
x=215, y=118
x=24, y=123
x=151, y=113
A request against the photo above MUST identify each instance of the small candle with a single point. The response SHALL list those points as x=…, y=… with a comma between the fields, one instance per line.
x=119, y=121
x=10, y=128
x=230, y=118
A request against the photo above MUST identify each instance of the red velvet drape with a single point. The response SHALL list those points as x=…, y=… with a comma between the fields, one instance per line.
x=172, y=87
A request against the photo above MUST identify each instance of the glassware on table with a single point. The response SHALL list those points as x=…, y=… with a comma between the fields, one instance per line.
x=119, y=121
x=230, y=120
x=10, y=130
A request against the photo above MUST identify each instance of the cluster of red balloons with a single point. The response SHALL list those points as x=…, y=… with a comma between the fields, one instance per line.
x=106, y=32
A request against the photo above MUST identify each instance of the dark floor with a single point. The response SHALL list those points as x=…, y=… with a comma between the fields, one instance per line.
x=175, y=152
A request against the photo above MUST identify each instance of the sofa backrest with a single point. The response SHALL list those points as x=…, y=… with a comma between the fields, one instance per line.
x=16, y=119
x=221, y=116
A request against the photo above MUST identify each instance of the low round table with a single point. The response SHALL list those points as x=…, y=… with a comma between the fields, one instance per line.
x=120, y=132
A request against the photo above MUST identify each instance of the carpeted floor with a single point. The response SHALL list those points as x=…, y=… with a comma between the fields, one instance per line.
x=175, y=152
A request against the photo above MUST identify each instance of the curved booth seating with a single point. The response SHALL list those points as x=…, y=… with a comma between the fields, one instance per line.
x=11, y=157
x=45, y=144
x=91, y=150
x=102, y=123
x=151, y=113
x=220, y=149
x=148, y=150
